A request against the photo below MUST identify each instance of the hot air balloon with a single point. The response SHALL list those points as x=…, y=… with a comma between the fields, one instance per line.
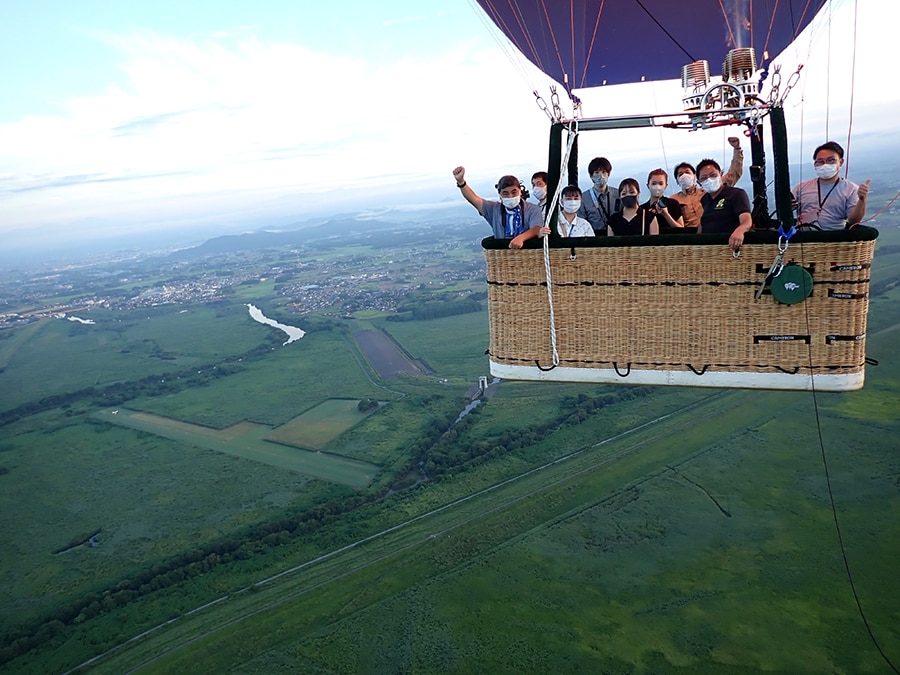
x=788, y=312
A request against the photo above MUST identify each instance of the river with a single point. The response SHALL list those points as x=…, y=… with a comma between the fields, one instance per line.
x=293, y=332
x=87, y=322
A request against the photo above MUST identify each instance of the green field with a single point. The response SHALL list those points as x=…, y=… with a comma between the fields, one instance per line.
x=458, y=352
x=122, y=346
x=259, y=443
x=682, y=545
x=317, y=427
x=666, y=530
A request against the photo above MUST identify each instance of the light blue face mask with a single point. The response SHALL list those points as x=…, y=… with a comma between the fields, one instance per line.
x=600, y=179
x=712, y=184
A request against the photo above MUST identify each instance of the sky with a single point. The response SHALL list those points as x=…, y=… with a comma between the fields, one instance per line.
x=133, y=118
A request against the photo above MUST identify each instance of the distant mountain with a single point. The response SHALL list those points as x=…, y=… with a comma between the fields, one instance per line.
x=343, y=228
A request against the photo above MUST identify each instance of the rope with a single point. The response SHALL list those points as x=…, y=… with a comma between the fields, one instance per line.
x=852, y=91
x=550, y=302
x=674, y=40
x=837, y=525
x=513, y=53
x=590, y=51
x=659, y=129
x=551, y=208
x=884, y=208
x=828, y=78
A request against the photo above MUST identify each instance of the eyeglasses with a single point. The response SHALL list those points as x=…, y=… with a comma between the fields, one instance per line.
x=830, y=160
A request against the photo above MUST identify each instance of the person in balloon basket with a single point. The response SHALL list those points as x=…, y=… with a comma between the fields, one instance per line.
x=570, y=224
x=726, y=209
x=633, y=218
x=691, y=193
x=539, y=189
x=600, y=201
x=512, y=217
x=666, y=211
x=829, y=202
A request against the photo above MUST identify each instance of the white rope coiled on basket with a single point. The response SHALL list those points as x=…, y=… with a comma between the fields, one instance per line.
x=573, y=134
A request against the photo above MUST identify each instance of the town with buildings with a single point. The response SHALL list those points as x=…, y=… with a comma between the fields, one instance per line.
x=318, y=277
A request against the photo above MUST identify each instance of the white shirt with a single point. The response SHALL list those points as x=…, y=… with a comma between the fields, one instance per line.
x=579, y=227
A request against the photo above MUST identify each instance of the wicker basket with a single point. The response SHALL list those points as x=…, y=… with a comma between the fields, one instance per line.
x=680, y=309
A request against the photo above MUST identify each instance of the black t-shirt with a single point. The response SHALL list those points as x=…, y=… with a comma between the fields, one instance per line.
x=673, y=207
x=640, y=224
x=722, y=214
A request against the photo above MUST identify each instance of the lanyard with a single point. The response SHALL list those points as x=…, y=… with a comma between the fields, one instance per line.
x=597, y=203
x=827, y=195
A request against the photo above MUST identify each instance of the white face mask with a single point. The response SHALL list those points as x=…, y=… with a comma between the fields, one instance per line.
x=686, y=181
x=571, y=205
x=539, y=192
x=827, y=171
x=656, y=190
x=600, y=179
x=510, y=202
x=712, y=185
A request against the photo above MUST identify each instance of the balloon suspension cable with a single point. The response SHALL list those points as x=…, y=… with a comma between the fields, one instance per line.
x=777, y=97
x=554, y=101
x=576, y=106
x=576, y=102
x=552, y=206
x=852, y=93
x=883, y=209
x=554, y=110
x=542, y=104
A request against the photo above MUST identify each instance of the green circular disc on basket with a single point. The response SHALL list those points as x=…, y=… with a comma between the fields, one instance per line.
x=793, y=285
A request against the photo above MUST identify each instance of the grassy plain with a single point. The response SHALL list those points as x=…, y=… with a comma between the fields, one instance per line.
x=681, y=531
x=275, y=389
x=457, y=353
x=60, y=356
x=685, y=547
x=254, y=442
x=320, y=425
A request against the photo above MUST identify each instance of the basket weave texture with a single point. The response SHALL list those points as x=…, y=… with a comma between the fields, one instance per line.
x=680, y=307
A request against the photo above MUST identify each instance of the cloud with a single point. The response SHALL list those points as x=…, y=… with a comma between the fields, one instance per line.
x=142, y=125
x=82, y=179
x=230, y=124
x=211, y=122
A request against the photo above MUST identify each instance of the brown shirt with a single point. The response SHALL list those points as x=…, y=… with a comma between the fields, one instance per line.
x=691, y=208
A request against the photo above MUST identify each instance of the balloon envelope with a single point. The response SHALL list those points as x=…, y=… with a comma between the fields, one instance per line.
x=587, y=43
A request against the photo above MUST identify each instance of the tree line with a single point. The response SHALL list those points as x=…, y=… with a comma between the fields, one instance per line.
x=449, y=455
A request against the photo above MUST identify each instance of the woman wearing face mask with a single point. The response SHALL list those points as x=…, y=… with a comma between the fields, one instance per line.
x=690, y=191
x=726, y=209
x=666, y=211
x=512, y=217
x=570, y=225
x=828, y=202
x=633, y=218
